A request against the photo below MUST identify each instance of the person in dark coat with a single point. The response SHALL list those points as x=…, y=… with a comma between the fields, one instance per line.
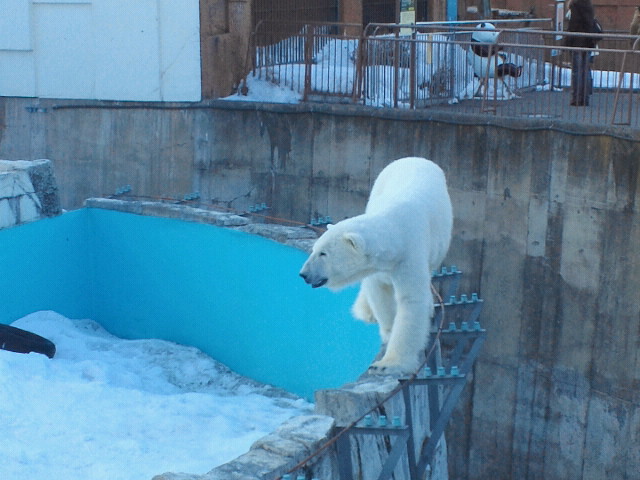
x=581, y=19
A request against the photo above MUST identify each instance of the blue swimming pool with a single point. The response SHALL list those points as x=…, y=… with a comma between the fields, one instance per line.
x=235, y=296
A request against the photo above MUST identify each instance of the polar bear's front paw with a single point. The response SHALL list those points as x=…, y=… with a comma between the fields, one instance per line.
x=394, y=367
x=391, y=371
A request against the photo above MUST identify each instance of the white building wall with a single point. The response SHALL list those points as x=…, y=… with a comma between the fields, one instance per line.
x=144, y=50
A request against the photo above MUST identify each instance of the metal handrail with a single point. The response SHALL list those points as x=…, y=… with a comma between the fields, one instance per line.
x=634, y=49
x=396, y=60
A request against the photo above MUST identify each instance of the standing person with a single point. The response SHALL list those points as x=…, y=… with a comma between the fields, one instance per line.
x=581, y=19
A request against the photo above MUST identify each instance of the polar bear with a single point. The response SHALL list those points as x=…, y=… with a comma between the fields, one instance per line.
x=392, y=249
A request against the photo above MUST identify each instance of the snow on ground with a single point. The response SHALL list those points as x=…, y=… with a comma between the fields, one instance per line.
x=262, y=90
x=107, y=408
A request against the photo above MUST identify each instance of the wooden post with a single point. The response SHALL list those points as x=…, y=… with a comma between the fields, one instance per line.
x=350, y=11
x=437, y=10
x=486, y=9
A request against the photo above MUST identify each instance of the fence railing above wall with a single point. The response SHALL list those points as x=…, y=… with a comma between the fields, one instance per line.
x=431, y=65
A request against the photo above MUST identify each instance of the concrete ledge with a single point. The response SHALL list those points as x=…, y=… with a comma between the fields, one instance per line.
x=369, y=453
x=298, y=237
x=272, y=455
x=357, y=110
x=275, y=454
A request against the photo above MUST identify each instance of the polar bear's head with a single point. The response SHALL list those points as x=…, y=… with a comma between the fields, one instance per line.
x=338, y=258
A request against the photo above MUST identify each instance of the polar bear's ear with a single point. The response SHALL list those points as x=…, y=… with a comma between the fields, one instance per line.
x=355, y=240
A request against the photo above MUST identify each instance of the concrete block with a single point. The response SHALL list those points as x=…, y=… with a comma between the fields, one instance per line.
x=45, y=186
x=255, y=464
x=14, y=183
x=33, y=185
x=29, y=207
x=301, y=435
x=7, y=214
x=279, y=451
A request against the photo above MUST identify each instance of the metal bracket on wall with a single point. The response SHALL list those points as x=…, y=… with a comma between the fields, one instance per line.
x=446, y=384
x=34, y=109
x=403, y=434
x=445, y=375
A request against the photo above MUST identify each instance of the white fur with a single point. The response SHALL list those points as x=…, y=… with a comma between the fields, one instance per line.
x=392, y=249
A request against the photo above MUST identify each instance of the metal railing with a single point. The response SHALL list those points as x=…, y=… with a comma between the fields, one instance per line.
x=431, y=65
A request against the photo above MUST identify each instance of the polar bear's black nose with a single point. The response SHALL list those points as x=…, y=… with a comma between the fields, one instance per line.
x=304, y=276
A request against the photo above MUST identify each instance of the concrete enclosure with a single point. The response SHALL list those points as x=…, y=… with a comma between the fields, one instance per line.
x=546, y=223
x=196, y=284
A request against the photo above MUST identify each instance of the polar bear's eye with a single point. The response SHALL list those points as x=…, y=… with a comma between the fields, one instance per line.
x=322, y=254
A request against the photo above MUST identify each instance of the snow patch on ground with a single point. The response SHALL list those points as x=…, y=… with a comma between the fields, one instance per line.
x=108, y=408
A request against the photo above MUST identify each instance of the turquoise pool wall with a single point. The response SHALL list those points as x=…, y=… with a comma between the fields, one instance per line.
x=44, y=265
x=237, y=297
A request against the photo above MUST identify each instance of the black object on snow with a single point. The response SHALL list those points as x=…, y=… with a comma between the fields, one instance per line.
x=20, y=341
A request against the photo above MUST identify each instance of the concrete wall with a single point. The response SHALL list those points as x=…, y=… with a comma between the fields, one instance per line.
x=546, y=225
x=101, y=49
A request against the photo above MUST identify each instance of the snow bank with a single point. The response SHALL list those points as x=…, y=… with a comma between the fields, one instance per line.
x=108, y=408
